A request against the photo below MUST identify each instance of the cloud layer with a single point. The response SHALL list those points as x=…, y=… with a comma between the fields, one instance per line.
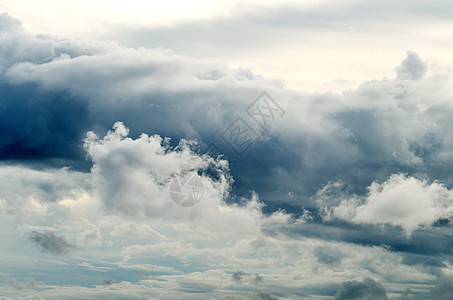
x=346, y=196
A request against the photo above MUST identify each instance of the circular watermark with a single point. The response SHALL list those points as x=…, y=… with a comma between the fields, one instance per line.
x=187, y=190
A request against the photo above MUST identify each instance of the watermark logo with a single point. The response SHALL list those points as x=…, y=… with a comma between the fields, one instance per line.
x=187, y=190
x=240, y=136
x=264, y=110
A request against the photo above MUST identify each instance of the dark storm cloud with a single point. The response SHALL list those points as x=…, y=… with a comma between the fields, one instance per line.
x=376, y=132
x=44, y=115
x=49, y=242
x=38, y=124
x=35, y=122
x=51, y=97
x=368, y=289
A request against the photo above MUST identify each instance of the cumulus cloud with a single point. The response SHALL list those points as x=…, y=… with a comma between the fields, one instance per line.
x=132, y=176
x=49, y=242
x=399, y=201
x=368, y=289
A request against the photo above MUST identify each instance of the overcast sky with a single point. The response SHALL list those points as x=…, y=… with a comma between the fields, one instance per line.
x=333, y=124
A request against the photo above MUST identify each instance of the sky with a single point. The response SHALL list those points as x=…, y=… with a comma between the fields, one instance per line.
x=226, y=149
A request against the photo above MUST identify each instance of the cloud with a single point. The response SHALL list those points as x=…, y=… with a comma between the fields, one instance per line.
x=13, y=283
x=94, y=268
x=49, y=242
x=412, y=67
x=399, y=201
x=379, y=128
x=443, y=288
x=45, y=116
x=107, y=282
x=263, y=295
x=330, y=153
x=9, y=24
x=132, y=175
x=212, y=234
x=20, y=46
x=350, y=27
x=258, y=278
x=367, y=289
x=30, y=297
x=89, y=237
x=329, y=256
x=237, y=276
x=132, y=229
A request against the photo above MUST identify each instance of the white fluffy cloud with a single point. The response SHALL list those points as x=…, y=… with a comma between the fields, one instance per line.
x=132, y=178
x=400, y=201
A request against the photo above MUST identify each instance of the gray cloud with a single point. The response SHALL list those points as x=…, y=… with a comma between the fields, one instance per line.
x=49, y=242
x=374, y=130
x=355, y=139
x=263, y=295
x=107, y=282
x=237, y=276
x=13, y=283
x=424, y=246
x=258, y=278
x=412, y=67
x=368, y=289
x=328, y=255
x=275, y=20
x=53, y=91
x=443, y=289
